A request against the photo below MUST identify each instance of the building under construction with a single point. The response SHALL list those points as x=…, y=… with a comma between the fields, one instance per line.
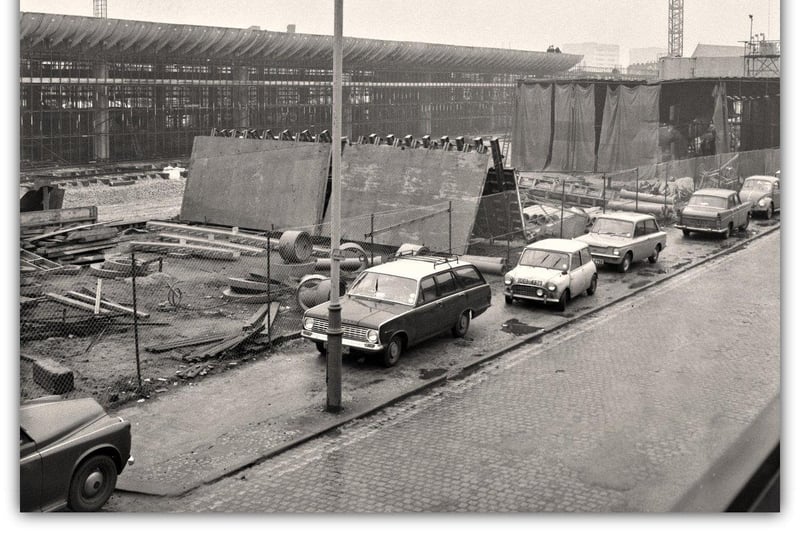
x=98, y=89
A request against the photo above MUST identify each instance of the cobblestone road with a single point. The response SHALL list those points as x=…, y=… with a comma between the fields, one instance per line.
x=622, y=411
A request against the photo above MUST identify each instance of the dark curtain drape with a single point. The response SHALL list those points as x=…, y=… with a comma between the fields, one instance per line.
x=722, y=138
x=573, y=131
x=629, y=135
x=531, y=130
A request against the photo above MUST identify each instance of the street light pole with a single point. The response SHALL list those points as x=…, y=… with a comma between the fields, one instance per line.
x=333, y=378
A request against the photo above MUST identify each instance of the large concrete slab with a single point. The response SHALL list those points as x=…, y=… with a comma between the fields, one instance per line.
x=409, y=192
x=256, y=184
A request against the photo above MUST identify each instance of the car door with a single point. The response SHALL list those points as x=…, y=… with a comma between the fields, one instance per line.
x=427, y=314
x=577, y=274
x=451, y=300
x=587, y=267
x=30, y=474
x=640, y=244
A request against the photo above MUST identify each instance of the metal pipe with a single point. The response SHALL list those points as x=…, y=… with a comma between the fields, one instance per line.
x=333, y=376
x=135, y=320
x=561, y=229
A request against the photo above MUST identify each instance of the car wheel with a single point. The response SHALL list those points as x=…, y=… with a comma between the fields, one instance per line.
x=392, y=352
x=653, y=258
x=461, y=327
x=743, y=227
x=592, y=286
x=770, y=212
x=92, y=484
x=686, y=233
x=562, y=302
x=625, y=265
x=321, y=348
x=509, y=300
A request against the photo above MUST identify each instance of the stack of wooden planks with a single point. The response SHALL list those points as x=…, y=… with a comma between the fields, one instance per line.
x=67, y=236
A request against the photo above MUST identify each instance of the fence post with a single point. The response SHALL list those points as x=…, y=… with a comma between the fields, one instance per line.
x=637, y=190
x=561, y=228
x=604, y=192
x=450, y=227
x=269, y=290
x=372, y=238
x=135, y=320
x=666, y=188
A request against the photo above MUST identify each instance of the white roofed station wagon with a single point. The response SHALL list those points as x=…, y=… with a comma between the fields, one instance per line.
x=393, y=306
x=552, y=271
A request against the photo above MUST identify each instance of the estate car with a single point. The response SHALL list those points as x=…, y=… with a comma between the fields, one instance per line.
x=719, y=211
x=764, y=194
x=70, y=454
x=393, y=306
x=622, y=238
x=552, y=271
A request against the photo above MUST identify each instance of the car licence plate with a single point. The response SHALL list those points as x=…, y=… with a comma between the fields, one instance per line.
x=598, y=261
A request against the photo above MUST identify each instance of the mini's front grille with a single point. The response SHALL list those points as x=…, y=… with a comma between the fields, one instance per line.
x=349, y=331
x=527, y=290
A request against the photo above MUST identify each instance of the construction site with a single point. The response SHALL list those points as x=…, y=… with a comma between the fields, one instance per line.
x=175, y=180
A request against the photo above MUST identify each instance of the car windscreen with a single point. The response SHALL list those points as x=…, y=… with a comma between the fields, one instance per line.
x=544, y=259
x=757, y=185
x=612, y=226
x=385, y=287
x=703, y=200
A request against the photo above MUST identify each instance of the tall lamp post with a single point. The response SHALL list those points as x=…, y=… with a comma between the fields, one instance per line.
x=333, y=378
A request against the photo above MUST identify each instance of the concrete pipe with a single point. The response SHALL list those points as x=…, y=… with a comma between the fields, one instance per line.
x=348, y=265
x=643, y=207
x=487, y=265
x=295, y=246
x=352, y=250
x=412, y=249
x=285, y=272
x=654, y=198
x=314, y=289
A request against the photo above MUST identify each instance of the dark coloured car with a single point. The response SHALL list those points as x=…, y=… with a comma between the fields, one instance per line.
x=393, y=306
x=70, y=454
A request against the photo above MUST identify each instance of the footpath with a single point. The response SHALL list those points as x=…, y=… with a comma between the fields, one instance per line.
x=214, y=428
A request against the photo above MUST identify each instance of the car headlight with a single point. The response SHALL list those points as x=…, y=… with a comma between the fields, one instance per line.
x=551, y=287
x=615, y=251
x=508, y=280
x=372, y=335
x=308, y=323
x=762, y=202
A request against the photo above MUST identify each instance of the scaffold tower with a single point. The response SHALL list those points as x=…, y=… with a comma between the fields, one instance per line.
x=675, y=45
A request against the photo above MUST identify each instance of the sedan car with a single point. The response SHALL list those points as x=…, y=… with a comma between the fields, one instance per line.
x=552, y=271
x=70, y=454
x=718, y=211
x=622, y=238
x=393, y=306
x=764, y=194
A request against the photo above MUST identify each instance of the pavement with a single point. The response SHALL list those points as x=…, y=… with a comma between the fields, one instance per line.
x=216, y=427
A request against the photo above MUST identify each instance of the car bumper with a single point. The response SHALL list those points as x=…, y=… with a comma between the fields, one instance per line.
x=759, y=209
x=699, y=229
x=606, y=259
x=358, y=345
x=545, y=298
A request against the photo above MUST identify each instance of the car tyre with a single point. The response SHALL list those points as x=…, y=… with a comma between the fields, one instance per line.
x=592, y=285
x=393, y=351
x=727, y=231
x=92, y=484
x=321, y=349
x=625, y=265
x=686, y=233
x=744, y=226
x=562, y=302
x=770, y=212
x=461, y=327
x=653, y=258
x=509, y=300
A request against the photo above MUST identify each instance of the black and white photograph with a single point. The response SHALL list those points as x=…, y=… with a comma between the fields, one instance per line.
x=367, y=259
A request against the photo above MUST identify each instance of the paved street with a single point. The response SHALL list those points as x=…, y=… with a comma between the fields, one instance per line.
x=622, y=411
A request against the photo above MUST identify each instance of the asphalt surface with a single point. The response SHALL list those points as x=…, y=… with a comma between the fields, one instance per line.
x=199, y=433
x=623, y=410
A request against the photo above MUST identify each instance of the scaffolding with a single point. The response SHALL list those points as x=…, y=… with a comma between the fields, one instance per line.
x=762, y=58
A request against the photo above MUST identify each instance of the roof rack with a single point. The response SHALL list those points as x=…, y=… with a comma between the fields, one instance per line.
x=435, y=259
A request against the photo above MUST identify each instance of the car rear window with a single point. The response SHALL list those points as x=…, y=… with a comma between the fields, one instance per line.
x=446, y=283
x=468, y=276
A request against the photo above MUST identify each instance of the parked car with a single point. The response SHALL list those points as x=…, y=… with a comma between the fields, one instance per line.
x=622, y=238
x=763, y=193
x=552, y=271
x=393, y=306
x=70, y=454
x=717, y=211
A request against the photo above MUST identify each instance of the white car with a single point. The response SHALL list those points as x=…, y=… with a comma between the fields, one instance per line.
x=552, y=271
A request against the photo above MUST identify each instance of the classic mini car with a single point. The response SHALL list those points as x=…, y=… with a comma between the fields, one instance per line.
x=552, y=271
x=763, y=193
x=622, y=238
x=70, y=454
x=391, y=307
x=717, y=211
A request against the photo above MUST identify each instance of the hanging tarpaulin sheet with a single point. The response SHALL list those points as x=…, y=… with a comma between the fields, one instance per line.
x=573, y=132
x=722, y=138
x=531, y=129
x=629, y=135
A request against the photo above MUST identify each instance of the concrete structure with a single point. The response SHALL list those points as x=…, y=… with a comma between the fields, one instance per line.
x=98, y=89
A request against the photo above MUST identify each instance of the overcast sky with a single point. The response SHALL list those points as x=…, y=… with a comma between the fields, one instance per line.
x=521, y=24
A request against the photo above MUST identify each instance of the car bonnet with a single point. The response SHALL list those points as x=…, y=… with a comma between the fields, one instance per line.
x=49, y=421
x=536, y=273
